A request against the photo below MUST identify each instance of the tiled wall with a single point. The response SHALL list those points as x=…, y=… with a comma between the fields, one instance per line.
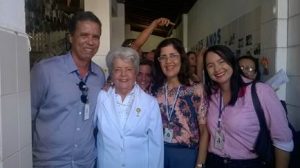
x=274, y=38
x=293, y=61
x=15, y=116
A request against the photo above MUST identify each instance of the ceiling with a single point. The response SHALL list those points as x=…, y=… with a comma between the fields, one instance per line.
x=140, y=13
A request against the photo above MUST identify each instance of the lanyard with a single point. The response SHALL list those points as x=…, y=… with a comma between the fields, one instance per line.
x=220, y=110
x=170, y=113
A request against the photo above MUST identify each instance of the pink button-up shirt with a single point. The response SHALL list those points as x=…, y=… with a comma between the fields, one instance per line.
x=240, y=126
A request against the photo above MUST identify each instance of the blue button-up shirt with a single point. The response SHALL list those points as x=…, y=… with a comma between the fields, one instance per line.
x=61, y=136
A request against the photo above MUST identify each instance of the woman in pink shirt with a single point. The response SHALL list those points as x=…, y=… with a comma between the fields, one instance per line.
x=232, y=120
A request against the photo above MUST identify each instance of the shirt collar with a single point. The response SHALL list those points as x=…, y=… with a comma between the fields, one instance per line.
x=71, y=66
x=133, y=90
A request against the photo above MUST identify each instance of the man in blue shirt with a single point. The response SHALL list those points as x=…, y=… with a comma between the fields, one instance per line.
x=64, y=90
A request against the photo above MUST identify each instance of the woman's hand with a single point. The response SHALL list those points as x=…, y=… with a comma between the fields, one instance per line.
x=163, y=22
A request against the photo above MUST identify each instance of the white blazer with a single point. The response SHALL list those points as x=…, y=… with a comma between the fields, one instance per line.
x=140, y=143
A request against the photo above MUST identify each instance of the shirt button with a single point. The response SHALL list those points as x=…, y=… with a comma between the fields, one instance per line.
x=80, y=113
x=77, y=129
x=75, y=145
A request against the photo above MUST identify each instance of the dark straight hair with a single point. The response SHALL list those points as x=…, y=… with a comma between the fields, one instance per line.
x=82, y=16
x=236, y=81
x=159, y=77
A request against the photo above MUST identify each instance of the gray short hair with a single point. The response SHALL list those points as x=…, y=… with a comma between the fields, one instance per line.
x=125, y=53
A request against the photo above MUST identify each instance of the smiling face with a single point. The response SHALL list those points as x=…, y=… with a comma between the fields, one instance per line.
x=123, y=75
x=170, y=62
x=85, y=40
x=144, y=77
x=218, y=69
x=248, y=68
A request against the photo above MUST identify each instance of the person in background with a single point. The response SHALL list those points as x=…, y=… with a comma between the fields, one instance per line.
x=183, y=108
x=192, y=63
x=145, y=75
x=249, y=67
x=63, y=99
x=137, y=43
x=232, y=121
x=199, y=66
x=150, y=55
x=145, y=34
x=128, y=119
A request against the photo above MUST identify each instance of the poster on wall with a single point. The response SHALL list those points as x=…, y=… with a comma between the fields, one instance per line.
x=249, y=40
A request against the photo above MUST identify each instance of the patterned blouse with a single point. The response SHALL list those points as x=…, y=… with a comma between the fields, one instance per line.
x=189, y=110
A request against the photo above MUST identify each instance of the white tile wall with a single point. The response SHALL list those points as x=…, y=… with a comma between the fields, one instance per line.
x=293, y=69
x=293, y=30
x=293, y=61
x=26, y=157
x=12, y=161
x=281, y=59
x=15, y=116
x=268, y=32
x=282, y=8
x=294, y=7
x=294, y=116
x=281, y=63
x=23, y=79
x=24, y=119
x=269, y=10
x=281, y=33
x=10, y=124
x=293, y=91
x=8, y=63
x=252, y=20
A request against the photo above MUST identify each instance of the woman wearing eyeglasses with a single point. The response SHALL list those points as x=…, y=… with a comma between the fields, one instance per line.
x=128, y=120
x=182, y=107
x=249, y=68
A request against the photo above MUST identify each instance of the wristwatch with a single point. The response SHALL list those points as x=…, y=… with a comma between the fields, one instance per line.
x=200, y=165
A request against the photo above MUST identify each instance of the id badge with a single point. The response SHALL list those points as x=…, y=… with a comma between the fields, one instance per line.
x=219, y=140
x=168, y=136
x=86, y=115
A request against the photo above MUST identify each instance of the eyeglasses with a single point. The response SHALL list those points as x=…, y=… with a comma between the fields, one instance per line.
x=172, y=57
x=84, y=92
x=247, y=69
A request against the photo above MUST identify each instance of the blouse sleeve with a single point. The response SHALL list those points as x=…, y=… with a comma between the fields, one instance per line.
x=202, y=109
x=276, y=117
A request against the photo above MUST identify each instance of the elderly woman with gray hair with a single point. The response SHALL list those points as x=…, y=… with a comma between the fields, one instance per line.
x=128, y=120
